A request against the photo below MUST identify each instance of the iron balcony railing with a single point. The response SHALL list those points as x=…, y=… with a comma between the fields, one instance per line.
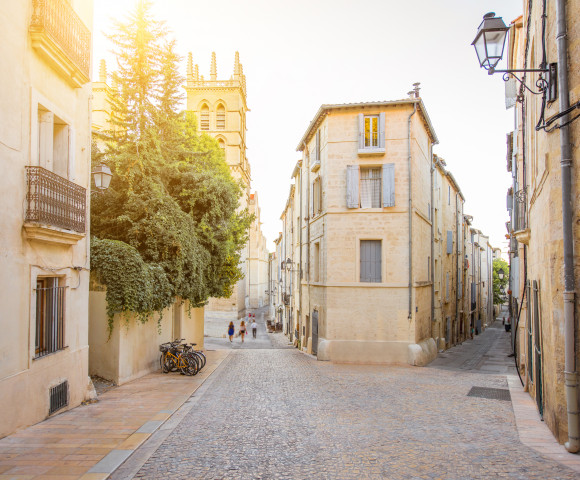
x=520, y=217
x=58, y=19
x=54, y=200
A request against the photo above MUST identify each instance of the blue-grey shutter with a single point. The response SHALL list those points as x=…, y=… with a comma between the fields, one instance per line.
x=388, y=184
x=370, y=261
x=382, y=130
x=361, y=131
x=352, y=186
x=509, y=201
x=449, y=241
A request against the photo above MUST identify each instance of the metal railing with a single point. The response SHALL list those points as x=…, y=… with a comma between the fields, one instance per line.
x=520, y=217
x=49, y=318
x=54, y=200
x=58, y=19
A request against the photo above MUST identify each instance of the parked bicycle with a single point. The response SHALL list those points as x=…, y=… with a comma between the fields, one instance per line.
x=177, y=356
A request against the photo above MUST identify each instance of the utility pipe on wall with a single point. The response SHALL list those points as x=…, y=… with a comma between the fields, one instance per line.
x=410, y=212
x=432, y=279
x=570, y=373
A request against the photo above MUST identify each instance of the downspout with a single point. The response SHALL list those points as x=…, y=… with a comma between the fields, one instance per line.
x=432, y=279
x=410, y=212
x=300, y=243
x=571, y=376
x=457, y=273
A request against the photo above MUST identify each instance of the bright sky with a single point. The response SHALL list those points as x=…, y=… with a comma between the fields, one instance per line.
x=300, y=54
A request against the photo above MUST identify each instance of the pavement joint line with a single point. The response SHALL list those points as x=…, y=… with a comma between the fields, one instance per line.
x=137, y=457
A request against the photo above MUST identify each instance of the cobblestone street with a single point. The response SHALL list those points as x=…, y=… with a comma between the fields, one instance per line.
x=279, y=414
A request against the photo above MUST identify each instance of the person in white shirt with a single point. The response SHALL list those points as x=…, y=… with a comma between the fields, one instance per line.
x=254, y=327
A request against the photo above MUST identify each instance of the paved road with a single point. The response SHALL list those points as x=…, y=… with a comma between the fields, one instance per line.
x=279, y=414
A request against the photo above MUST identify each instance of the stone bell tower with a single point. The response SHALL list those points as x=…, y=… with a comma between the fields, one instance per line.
x=220, y=107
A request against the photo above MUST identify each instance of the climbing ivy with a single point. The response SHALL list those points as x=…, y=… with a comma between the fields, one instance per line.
x=133, y=285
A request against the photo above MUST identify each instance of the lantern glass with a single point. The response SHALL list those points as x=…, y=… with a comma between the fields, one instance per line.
x=490, y=40
x=102, y=176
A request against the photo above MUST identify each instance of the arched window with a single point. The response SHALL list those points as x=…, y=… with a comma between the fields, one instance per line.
x=220, y=119
x=204, y=118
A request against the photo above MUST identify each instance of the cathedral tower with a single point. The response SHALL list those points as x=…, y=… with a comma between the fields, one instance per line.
x=220, y=107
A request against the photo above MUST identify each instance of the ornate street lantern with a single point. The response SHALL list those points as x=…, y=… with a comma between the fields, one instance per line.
x=490, y=40
x=102, y=176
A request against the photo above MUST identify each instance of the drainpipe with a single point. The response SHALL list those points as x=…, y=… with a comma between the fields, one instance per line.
x=300, y=242
x=571, y=376
x=410, y=213
x=432, y=245
x=457, y=252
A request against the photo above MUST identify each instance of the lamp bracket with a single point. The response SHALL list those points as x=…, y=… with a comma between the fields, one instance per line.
x=544, y=85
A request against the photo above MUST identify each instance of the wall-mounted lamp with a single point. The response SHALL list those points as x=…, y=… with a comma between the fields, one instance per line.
x=489, y=45
x=102, y=176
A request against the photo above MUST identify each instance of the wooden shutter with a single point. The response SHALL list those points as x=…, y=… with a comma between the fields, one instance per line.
x=370, y=261
x=361, y=131
x=352, y=186
x=447, y=286
x=382, y=130
x=71, y=155
x=449, y=241
x=317, y=153
x=388, y=184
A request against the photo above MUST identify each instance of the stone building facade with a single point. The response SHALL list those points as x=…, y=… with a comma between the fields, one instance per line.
x=537, y=229
x=45, y=140
x=363, y=278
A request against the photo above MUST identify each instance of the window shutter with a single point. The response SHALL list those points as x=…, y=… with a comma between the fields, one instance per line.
x=382, y=130
x=447, y=286
x=352, y=186
x=361, y=131
x=71, y=155
x=388, y=184
x=449, y=241
x=317, y=158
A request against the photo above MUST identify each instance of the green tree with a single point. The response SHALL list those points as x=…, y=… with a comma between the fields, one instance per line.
x=499, y=285
x=172, y=201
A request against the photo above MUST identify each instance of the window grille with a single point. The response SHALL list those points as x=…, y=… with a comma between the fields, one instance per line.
x=58, y=397
x=370, y=188
x=49, y=316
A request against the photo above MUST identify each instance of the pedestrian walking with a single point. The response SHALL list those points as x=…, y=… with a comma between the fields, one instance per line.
x=231, y=330
x=242, y=330
x=254, y=327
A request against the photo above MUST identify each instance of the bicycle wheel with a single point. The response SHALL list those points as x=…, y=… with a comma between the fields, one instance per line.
x=201, y=357
x=162, y=363
x=188, y=364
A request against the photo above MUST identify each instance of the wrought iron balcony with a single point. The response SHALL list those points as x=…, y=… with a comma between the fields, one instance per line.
x=62, y=38
x=55, y=201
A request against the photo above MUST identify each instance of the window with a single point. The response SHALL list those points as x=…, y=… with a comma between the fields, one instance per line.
x=376, y=186
x=49, y=316
x=449, y=195
x=371, y=133
x=220, y=118
x=316, y=277
x=316, y=197
x=370, y=261
x=370, y=187
x=204, y=118
x=55, y=144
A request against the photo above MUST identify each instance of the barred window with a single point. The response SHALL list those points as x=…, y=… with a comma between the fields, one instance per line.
x=370, y=187
x=370, y=261
x=49, y=336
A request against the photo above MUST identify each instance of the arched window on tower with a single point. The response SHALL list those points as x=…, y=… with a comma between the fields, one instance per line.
x=204, y=117
x=220, y=118
x=222, y=145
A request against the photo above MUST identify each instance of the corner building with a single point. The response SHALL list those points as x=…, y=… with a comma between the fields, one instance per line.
x=364, y=262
